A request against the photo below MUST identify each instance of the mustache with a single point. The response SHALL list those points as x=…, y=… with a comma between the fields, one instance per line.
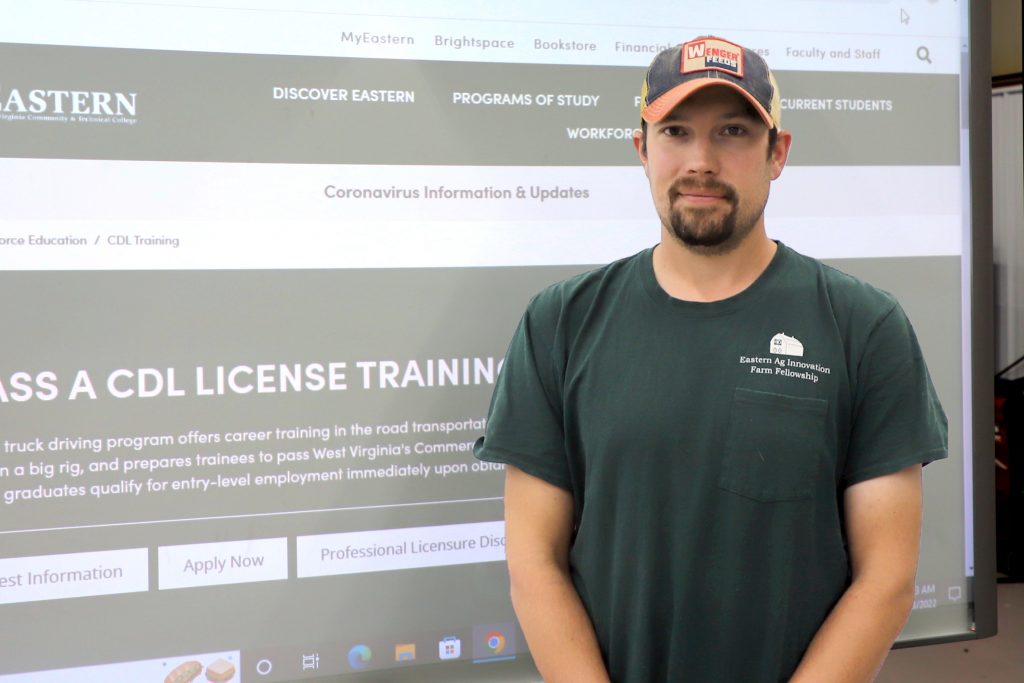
x=713, y=186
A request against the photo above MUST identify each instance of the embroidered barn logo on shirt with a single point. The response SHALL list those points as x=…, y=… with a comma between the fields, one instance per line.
x=782, y=361
x=784, y=345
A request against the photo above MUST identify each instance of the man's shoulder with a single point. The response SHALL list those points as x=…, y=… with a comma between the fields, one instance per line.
x=583, y=291
x=847, y=294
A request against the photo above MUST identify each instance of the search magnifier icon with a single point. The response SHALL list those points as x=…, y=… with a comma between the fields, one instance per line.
x=924, y=54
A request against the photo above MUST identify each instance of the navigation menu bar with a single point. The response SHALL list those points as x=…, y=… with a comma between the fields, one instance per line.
x=850, y=34
x=92, y=103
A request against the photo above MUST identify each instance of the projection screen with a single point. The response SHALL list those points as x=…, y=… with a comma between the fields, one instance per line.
x=260, y=261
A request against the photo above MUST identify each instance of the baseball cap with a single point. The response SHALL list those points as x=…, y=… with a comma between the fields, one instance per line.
x=678, y=72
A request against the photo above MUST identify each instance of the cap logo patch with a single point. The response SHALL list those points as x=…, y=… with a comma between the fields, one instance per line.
x=712, y=53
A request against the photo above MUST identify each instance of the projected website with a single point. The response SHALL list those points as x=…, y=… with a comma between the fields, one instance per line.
x=260, y=279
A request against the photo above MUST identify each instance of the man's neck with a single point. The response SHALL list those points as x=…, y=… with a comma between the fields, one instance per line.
x=691, y=275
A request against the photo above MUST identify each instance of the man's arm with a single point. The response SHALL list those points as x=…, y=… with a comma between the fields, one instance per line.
x=883, y=528
x=538, y=528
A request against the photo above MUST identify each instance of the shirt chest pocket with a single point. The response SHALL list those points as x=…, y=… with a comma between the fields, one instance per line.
x=775, y=446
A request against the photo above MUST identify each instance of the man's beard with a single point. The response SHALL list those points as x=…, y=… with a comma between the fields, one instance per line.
x=707, y=229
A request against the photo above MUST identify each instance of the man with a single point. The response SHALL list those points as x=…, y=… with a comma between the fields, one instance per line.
x=714, y=447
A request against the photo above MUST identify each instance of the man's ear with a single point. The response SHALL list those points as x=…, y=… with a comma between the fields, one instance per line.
x=638, y=143
x=780, y=153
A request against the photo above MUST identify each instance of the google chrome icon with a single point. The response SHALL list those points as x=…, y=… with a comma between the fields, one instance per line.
x=494, y=641
x=359, y=657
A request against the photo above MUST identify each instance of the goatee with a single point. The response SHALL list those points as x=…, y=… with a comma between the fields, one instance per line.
x=708, y=229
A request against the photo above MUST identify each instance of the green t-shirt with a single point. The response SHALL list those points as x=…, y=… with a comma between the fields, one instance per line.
x=706, y=446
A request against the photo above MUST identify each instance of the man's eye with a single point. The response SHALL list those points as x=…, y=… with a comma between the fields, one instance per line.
x=734, y=130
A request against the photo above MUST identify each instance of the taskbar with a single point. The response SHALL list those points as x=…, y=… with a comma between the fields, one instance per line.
x=366, y=658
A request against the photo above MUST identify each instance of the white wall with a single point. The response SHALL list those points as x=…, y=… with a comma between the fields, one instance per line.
x=1008, y=227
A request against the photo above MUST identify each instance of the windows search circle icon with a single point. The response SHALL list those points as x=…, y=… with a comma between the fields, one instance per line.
x=495, y=642
x=359, y=657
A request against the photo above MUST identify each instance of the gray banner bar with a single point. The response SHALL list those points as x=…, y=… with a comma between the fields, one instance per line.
x=97, y=103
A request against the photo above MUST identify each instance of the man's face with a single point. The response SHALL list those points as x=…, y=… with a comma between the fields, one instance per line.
x=710, y=169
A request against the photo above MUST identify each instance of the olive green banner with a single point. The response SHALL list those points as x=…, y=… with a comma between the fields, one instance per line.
x=97, y=103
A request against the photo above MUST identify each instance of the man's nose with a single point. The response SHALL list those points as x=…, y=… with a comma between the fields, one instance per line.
x=702, y=158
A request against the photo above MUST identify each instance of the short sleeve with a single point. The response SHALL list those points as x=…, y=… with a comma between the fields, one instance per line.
x=898, y=420
x=524, y=423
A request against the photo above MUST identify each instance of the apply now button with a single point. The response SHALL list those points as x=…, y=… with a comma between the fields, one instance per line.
x=226, y=562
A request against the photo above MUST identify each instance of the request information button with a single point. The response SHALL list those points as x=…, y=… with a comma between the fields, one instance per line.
x=213, y=564
x=73, y=575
